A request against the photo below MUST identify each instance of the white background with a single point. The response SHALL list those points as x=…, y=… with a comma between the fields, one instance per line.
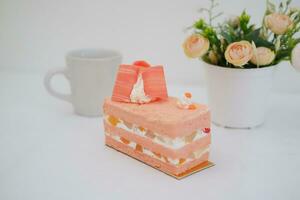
x=48, y=152
x=35, y=34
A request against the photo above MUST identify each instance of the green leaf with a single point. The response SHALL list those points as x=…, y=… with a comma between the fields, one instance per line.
x=227, y=36
x=283, y=54
x=200, y=24
x=264, y=43
x=244, y=20
x=259, y=42
x=252, y=35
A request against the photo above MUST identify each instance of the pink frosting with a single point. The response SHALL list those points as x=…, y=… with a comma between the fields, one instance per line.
x=163, y=117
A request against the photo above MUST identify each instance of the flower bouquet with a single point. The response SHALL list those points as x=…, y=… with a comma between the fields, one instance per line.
x=239, y=59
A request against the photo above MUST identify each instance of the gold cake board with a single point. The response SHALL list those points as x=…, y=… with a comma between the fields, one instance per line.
x=197, y=168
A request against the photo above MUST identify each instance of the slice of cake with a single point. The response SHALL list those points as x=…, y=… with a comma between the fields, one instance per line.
x=161, y=131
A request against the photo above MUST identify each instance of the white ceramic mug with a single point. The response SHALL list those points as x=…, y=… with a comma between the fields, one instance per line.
x=91, y=73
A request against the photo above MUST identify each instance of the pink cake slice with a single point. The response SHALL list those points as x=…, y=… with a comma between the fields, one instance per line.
x=159, y=134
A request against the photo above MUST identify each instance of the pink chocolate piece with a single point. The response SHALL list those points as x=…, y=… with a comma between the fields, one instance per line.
x=126, y=78
x=155, y=83
x=165, y=167
x=162, y=117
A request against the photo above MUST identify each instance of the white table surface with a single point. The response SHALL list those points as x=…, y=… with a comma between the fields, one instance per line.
x=47, y=152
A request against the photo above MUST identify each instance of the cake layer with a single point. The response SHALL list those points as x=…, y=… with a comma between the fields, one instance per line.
x=163, y=117
x=173, y=143
x=153, y=161
x=176, y=162
x=185, y=152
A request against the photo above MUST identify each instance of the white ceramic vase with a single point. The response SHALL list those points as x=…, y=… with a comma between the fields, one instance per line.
x=238, y=97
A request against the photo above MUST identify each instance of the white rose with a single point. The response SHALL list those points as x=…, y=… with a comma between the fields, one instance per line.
x=296, y=57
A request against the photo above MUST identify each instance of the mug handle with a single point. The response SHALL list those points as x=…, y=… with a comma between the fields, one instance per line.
x=48, y=86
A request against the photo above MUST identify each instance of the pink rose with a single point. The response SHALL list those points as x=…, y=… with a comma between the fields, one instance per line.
x=239, y=53
x=195, y=46
x=278, y=23
x=263, y=56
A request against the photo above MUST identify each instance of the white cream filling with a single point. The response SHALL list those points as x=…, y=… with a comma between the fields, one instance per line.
x=138, y=94
x=197, y=154
x=165, y=141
